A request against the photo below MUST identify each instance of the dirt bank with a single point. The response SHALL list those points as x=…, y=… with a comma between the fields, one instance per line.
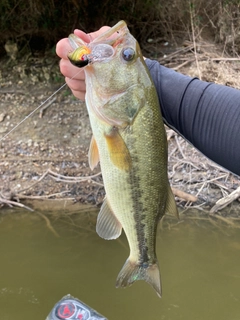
x=46, y=156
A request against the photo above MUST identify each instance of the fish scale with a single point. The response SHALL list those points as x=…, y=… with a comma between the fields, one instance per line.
x=129, y=140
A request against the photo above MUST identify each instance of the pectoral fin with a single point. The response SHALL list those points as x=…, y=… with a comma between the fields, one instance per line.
x=108, y=227
x=93, y=155
x=118, y=150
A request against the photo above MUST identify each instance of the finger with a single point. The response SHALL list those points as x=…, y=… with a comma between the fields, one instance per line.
x=76, y=85
x=63, y=48
x=90, y=36
x=81, y=34
x=94, y=35
x=70, y=71
x=79, y=94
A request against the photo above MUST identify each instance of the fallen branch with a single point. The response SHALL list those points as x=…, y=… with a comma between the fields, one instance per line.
x=225, y=201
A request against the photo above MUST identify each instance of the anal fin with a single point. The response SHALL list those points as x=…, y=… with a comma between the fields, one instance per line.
x=171, y=207
x=108, y=227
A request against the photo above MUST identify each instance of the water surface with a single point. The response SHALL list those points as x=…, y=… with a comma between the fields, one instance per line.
x=199, y=261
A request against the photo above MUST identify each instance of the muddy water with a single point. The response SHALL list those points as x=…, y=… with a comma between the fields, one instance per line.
x=199, y=260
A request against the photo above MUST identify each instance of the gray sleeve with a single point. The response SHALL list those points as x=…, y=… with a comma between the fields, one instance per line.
x=206, y=114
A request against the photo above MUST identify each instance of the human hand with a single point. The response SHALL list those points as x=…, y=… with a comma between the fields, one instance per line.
x=75, y=79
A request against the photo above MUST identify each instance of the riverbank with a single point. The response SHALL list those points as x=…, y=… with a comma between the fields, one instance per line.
x=46, y=156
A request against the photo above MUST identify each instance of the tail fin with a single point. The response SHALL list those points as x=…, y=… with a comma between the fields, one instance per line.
x=132, y=272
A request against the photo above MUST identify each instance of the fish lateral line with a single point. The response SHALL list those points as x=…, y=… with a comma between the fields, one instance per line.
x=37, y=108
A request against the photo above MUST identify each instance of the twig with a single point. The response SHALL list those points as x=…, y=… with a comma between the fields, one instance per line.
x=189, y=162
x=182, y=64
x=32, y=185
x=13, y=91
x=14, y=203
x=176, y=53
x=61, y=178
x=75, y=179
x=46, y=106
x=194, y=41
x=212, y=23
x=214, y=179
x=227, y=221
x=22, y=196
x=225, y=59
x=200, y=190
x=67, y=179
x=48, y=223
x=183, y=195
x=179, y=147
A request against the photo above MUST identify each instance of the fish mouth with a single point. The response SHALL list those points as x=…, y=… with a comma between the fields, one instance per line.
x=119, y=28
x=101, y=49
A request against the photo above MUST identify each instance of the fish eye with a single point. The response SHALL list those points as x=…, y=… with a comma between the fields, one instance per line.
x=128, y=54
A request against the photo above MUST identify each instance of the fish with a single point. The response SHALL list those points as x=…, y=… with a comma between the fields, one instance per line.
x=129, y=141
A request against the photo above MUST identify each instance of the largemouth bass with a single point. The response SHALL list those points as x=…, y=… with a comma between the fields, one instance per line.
x=129, y=140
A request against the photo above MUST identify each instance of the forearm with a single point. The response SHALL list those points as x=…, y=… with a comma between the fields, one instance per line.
x=206, y=114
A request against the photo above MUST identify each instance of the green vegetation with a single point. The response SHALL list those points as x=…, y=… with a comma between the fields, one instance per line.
x=39, y=24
